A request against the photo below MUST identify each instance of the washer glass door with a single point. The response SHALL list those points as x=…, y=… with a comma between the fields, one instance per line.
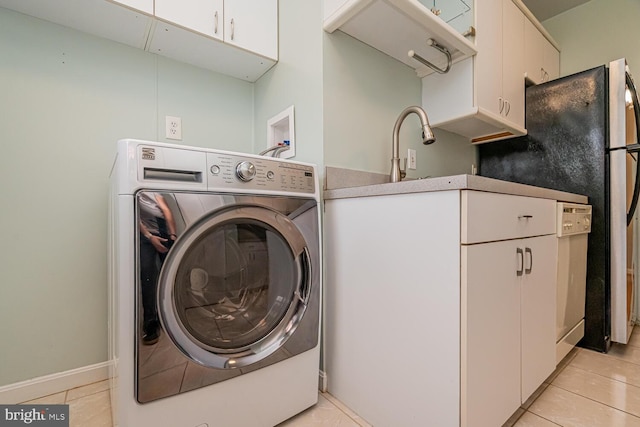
x=235, y=285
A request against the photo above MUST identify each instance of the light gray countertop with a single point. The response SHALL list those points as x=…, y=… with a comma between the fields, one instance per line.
x=455, y=182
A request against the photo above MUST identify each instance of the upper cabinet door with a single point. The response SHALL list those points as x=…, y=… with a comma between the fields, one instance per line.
x=542, y=59
x=202, y=16
x=551, y=61
x=252, y=25
x=534, y=43
x=489, y=58
x=145, y=6
x=513, y=63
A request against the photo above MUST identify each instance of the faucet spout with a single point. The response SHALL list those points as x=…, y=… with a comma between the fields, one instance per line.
x=427, y=138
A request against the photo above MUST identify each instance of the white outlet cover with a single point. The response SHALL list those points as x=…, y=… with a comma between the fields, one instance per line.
x=412, y=159
x=173, y=128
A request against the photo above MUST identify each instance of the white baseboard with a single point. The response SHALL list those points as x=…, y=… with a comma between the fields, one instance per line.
x=54, y=383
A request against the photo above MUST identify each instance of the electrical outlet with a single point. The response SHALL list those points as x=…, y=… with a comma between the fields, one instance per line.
x=173, y=127
x=412, y=163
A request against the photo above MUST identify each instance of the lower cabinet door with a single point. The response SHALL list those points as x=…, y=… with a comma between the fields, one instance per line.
x=490, y=333
x=538, y=311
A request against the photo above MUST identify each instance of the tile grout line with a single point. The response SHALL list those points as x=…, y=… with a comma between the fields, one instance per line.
x=593, y=400
x=603, y=376
x=538, y=415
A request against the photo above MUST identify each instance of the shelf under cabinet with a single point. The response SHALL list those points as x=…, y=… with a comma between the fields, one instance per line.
x=397, y=26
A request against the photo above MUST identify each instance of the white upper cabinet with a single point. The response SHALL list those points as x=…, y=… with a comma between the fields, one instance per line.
x=482, y=98
x=252, y=25
x=542, y=58
x=248, y=24
x=145, y=6
x=234, y=37
x=196, y=32
x=204, y=17
x=396, y=27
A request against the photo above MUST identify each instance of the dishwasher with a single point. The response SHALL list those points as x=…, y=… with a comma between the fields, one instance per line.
x=573, y=228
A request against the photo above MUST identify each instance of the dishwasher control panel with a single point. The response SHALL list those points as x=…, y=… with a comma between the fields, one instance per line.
x=573, y=219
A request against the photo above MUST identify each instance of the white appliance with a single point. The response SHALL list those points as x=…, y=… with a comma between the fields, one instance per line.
x=573, y=228
x=214, y=287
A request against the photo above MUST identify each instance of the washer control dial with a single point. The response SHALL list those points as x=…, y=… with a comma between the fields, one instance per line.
x=246, y=171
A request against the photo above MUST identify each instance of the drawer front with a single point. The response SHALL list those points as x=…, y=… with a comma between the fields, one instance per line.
x=488, y=217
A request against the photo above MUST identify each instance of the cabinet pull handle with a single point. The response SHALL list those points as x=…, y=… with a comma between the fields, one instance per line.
x=232, y=28
x=525, y=216
x=520, y=255
x=528, y=251
x=501, y=104
x=507, y=104
x=215, y=23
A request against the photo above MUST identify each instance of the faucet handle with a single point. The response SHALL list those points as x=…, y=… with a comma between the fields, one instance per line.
x=403, y=172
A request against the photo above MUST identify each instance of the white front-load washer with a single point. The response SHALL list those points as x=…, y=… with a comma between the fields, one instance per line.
x=214, y=287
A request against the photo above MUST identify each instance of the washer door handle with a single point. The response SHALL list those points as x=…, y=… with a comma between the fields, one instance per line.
x=304, y=292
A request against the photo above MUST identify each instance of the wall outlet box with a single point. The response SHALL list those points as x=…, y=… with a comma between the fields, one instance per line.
x=280, y=128
x=173, y=128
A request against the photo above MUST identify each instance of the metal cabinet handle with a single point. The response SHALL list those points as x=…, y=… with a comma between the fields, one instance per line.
x=215, y=23
x=525, y=216
x=528, y=251
x=520, y=254
x=232, y=28
x=501, y=104
x=508, y=108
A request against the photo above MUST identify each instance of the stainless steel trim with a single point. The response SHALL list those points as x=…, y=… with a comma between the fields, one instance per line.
x=618, y=200
x=233, y=358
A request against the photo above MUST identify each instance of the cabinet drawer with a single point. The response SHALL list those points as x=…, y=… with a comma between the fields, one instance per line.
x=488, y=217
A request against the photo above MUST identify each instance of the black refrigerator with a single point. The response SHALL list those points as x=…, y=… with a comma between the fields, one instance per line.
x=582, y=138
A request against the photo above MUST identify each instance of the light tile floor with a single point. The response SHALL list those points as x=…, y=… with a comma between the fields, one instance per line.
x=89, y=405
x=588, y=389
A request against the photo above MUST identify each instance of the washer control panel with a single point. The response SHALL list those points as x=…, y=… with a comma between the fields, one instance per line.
x=233, y=171
x=573, y=219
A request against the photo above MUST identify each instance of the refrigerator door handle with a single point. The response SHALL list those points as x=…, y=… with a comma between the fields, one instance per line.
x=636, y=109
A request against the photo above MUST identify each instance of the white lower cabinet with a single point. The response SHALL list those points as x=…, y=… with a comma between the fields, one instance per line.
x=508, y=298
x=508, y=289
x=439, y=306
